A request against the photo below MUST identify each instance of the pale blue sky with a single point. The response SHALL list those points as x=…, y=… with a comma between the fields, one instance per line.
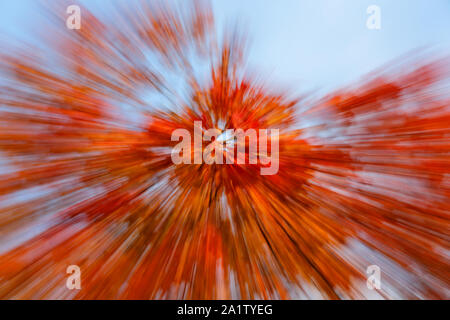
x=307, y=43
x=326, y=42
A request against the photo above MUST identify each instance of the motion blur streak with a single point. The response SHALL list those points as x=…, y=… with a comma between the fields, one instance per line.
x=86, y=176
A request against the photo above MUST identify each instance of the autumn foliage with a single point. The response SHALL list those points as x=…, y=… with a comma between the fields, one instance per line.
x=86, y=176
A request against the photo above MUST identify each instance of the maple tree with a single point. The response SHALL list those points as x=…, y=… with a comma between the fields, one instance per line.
x=85, y=135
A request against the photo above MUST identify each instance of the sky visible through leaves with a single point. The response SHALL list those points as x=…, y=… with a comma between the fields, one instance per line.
x=86, y=176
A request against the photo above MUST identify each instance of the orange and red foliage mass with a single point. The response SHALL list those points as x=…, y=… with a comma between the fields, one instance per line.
x=86, y=176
